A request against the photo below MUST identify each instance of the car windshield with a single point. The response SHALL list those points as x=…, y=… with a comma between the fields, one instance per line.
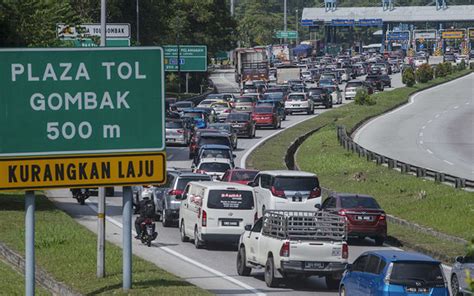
x=315, y=91
x=273, y=96
x=331, y=88
x=263, y=110
x=221, y=105
x=408, y=273
x=214, y=140
x=295, y=183
x=184, y=104
x=352, y=202
x=215, y=153
x=194, y=114
x=238, y=116
x=206, y=102
x=174, y=124
x=217, y=167
x=243, y=176
x=353, y=84
x=244, y=100
x=230, y=199
x=325, y=81
x=296, y=98
x=182, y=182
x=221, y=127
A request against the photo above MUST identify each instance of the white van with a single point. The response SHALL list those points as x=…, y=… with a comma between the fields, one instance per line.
x=286, y=190
x=216, y=211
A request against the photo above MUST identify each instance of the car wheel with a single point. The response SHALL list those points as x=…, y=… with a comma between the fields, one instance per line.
x=332, y=283
x=182, y=233
x=164, y=221
x=254, y=132
x=379, y=240
x=197, y=242
x=342, y=292
x=242, y=269
x=455, y=285
x=279, y=124
x=270, y=279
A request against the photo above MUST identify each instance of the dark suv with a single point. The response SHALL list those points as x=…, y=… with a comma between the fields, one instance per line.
x=243, y=123
x=320, y=96
x=375, y=81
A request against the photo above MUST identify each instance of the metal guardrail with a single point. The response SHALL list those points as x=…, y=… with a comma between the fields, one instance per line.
x=405, y=168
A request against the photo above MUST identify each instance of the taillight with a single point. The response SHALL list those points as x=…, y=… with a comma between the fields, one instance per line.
x=342, y=213
x=345, y=251
x=227, y=111
x=277, y=193
x=285, y=250
x=382, y=217
x=204, y=218
x=180, y=131
x=315, y=193
x=175, y=192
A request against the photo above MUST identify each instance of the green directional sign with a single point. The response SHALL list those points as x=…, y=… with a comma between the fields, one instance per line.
x=65, y=101
x=286, y=34
x=89, y=42
x=193, y=58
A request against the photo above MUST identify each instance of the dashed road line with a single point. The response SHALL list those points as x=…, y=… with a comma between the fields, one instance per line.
x=437, y=115
x=448, y=162
x=421, y=142
x=430, y=121
x=456, y=107
x=421, y=134
x=423, y=127
x=429, y=151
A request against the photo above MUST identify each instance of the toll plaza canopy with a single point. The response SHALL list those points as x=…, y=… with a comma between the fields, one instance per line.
x=401, y=14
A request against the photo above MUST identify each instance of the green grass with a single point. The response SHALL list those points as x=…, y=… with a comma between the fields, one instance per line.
x=444, y=209
x=67, y=251
x=13, y=283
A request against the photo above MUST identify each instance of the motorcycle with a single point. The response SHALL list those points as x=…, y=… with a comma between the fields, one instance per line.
x=148, y=233
x=81, y=195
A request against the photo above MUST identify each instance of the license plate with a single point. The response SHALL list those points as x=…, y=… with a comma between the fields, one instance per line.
x=313, y=265
x=417, y=290
x=230, y=223
x=336, y=252
x=364, y=218
x=296, y=105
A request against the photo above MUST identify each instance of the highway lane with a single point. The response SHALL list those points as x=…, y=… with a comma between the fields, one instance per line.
x=212, y=269
x=435, y=130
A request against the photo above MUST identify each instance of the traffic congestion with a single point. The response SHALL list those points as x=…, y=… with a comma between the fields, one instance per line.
x=277, y=222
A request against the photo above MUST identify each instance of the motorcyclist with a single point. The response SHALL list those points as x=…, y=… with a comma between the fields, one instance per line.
x=146, y=209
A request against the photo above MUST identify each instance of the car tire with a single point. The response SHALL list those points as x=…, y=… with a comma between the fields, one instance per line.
x=254, y=132
x=455, y=286
x=164, y=221
x=379, y=240
x=182, y=232
x=332, y=283
x=197, y=242
x=269, y=274
x=279, y=124
x=242, y=269
x=342, y=291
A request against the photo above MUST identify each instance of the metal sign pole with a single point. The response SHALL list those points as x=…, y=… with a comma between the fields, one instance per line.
x=29, y=243
x=127, y=237
x=101, y=194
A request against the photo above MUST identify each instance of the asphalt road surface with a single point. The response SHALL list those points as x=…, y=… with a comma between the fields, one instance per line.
x=434, y=130
x=212, y=269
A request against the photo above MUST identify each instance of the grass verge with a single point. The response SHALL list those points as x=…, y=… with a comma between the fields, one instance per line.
x=13, y=282
x=444, y=209
x=67, y=251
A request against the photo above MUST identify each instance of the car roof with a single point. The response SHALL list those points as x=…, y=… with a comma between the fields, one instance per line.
x=288, y=173
x=219, y=134
x=219, y=160
x=188, y=175
x=340, y=194
x=223, y=185
x=296, y=93
x=215, y=146
x=355, y=80
x=194, y=110
x=395, y=255
x=242, y=170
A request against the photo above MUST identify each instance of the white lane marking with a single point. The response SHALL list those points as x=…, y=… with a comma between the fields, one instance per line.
x=170, y=157
x=421, y=134
x=421, y=142
x=467, y=103
x=437, y=115
x=429, y=151
x=455, y=107
x=448, y=162
x=187, y=259
x=410, y=102
x=423, y=127
x=430, y=121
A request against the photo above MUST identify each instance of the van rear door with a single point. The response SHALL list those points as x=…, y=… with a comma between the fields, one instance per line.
x=230, y=208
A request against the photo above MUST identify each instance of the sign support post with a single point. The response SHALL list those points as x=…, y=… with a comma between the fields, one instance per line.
x=101, y=193
x=127, y=237
x=29, y=243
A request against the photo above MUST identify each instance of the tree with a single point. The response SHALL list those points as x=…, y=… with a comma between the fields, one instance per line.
x=408, y=77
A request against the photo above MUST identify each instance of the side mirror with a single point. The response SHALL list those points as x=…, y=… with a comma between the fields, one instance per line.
x=234, y=156
x=460, y=259
x=252, y=184
x=349, y=267
x=317, y=206
x=248, y=227
x=179, y=197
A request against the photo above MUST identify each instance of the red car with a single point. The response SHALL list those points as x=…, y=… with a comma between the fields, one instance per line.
x=240, y=176
x=364, y=216
x=266, y=116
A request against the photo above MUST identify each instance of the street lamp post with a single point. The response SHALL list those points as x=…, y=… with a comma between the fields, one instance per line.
x=297, y=35
x=285, y=28
x=138, y=23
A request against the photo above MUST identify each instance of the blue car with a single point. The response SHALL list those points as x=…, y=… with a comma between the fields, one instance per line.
x=200, y=117
x=388, y=272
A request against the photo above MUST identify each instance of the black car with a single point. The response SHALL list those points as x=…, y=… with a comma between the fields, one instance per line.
x=386, y=80
x=320, y=96
x=375, y=81
x=166, y=204
x=242, y=122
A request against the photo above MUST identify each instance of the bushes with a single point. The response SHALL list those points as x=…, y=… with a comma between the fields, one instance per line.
x=462, y=65
x=408, y=77
x=424, y=73
x=440, y=70
x=363, y=98
x=471, y=65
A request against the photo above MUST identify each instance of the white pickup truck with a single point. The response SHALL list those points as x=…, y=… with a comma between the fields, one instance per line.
x=292, y=244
